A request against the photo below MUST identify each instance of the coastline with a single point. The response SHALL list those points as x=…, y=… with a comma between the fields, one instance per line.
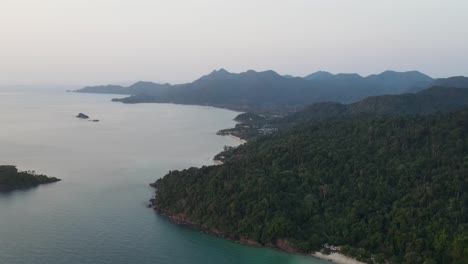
x=281, y=245
x=242, y=141
x=217, y=161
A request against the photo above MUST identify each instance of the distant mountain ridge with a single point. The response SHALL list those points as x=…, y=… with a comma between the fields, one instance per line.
x=136, y=88
x=319, y=75
x=252, y=90
x=391, y=82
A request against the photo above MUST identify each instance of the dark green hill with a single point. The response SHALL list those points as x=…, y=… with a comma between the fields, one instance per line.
x=393, y=187
x=431, y=100
x=11, y=178
x=435, y=99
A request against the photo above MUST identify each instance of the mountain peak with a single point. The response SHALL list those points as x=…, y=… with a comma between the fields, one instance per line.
x=392, y=74
x=349, y=75
x=217, y=74
x=264, y=75
x=269, y=73
x=222, y=74
x=319, y=75
x=221, y=71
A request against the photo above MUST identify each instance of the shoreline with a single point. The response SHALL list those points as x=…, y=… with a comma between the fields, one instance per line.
x=242, y=141
x=281, y=245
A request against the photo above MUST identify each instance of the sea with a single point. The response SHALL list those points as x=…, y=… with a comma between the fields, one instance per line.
x=98, y=212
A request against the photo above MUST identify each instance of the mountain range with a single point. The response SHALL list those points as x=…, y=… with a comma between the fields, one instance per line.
x=265, y=90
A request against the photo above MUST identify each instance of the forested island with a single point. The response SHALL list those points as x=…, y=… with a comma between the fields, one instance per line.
x=11, y=178
x=383, y=188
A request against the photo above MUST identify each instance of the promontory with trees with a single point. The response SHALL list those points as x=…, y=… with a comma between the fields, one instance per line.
x=11, y=178
x=384, y=188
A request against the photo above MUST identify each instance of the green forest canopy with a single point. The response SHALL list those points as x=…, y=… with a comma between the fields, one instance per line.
x=391, y=187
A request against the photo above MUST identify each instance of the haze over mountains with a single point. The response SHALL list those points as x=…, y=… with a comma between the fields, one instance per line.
x=253, y=90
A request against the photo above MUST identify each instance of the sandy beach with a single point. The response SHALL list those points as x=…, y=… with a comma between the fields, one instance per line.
x=242, y=141
x=337, y=258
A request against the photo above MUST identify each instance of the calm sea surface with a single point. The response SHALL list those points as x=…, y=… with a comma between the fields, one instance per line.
x=97, y=214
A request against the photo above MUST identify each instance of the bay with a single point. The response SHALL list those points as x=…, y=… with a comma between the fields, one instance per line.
x=97, y=213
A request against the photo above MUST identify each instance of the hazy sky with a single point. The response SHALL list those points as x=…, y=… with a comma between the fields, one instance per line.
x=112, y=41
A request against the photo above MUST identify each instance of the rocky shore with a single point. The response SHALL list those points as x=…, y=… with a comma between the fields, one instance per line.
x=280, y=244
x=247, y=128
x=183, y=220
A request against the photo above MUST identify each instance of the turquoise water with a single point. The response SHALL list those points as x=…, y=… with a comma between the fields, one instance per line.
x=97, y=214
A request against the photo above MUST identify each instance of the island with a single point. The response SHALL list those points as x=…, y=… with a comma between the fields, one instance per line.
x=83, y=116
x=11, y=178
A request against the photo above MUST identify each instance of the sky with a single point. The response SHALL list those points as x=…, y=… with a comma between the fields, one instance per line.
x=90, y=42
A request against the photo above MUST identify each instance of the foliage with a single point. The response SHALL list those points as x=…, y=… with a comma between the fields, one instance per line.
x=431, y=100
x=394, y=187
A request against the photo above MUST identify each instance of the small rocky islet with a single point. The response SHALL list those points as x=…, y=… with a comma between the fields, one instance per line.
x=84, y=116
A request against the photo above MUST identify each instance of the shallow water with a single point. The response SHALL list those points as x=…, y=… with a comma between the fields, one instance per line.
x=97, y=214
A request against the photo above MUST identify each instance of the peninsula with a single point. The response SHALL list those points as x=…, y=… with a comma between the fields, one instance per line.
x=11, y=178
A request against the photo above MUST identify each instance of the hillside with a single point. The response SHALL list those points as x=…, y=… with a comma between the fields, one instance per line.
x=431, y=100
x=263, y=91
x=11, y=178
x=390, y=187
